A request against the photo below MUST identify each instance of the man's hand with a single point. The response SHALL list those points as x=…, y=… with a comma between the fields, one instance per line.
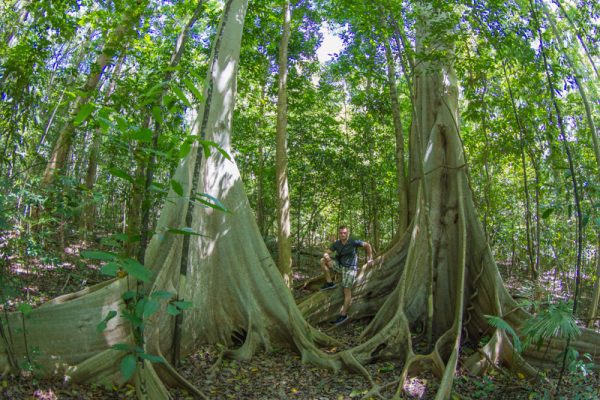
x=369, y=262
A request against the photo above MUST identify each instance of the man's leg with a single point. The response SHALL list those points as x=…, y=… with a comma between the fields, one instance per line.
x=347, y=301
x=326, y=267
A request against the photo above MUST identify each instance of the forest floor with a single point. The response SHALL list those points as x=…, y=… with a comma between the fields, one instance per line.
x=279, y=374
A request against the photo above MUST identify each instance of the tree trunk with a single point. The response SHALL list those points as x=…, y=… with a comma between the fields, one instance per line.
x=439, y=280
x=138, y=207
x=596, y=297
x=89, y=214
x=62, y=147
x=238, y=294
x=527, y=217
x=284, y=258
x=399, y=135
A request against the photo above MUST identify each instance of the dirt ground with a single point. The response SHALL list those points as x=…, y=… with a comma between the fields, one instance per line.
x=279, y=374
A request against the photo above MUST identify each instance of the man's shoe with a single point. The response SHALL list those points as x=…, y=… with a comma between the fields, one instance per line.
x=328, y=285
x=339, y=320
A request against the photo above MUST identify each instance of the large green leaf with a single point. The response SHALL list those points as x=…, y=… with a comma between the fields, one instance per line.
x=119, y=173
x=176, y=186
x=142, y=135
x=98, y=255
x=137, y=270
x=192, y=88
x=150, y=308
x=110, y=269
x=83, y=113
x=128, y=365
x=180, y=95
x=210, y=201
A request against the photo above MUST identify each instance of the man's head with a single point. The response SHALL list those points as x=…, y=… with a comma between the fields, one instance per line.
x=343, y=233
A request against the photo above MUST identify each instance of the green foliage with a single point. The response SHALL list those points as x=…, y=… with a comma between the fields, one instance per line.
x=557, y=321
x=499, y=323
x=119, y=265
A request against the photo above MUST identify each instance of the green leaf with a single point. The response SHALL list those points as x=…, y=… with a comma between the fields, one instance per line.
x=150, y=308
x=499, y=323
x=83, y=113
x=585, y=220
x=179, y=93
x=183, y=305
x=176, y=186
x=192, y=88
x=104, y=123
x=119, y=173
x=123, y=347
x=162, y=294
x=213, y=203
x=152, y=358
x=122, y=123
x=172, y=310
x=110, y=269
x=128, y=365
x=183, y=231
x=136, y=321
x=153, y=89
x=137, y=270
x=25, y=308
x=184, y=150
x=102, y=325
x=207, y=144
x=547, y=213
x=157, y=114
x=555, y=322
x=139, y=307
x=142, y=135
x=128, y=295
x=98, y=255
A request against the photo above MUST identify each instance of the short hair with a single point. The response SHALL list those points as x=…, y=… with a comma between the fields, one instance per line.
x=342, y=227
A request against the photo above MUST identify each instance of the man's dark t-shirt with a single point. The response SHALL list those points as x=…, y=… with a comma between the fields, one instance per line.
x=345, y=254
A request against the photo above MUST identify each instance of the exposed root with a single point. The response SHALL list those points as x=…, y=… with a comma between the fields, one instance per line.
x=148, y=384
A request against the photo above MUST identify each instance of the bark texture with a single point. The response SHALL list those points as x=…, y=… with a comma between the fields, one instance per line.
x=284, y=245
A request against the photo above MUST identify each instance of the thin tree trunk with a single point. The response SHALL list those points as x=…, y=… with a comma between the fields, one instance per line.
x=583, y=45
x=537, y=229
x=577, y=76
x=530, y=258
x=596, y=297
x=399, y=135
x=89, y=213
x=579, y=216
x=115, y=41
x=284, y=262
x=146, y=198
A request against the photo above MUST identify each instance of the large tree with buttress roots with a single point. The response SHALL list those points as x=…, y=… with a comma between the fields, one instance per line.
x=438, y=279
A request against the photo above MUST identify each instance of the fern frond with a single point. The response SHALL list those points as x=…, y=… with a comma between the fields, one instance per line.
x=498, y=322
x=555, y=322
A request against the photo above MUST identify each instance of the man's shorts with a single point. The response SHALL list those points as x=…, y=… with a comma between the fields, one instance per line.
x=348, y=274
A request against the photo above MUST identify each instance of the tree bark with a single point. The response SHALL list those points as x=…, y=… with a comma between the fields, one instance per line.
x=284, y=258
x=399, y=135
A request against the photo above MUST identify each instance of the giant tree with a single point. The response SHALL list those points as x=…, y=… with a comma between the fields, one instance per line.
x=438, y=279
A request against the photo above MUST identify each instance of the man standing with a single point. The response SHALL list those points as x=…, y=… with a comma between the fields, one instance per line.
x=345, y=263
